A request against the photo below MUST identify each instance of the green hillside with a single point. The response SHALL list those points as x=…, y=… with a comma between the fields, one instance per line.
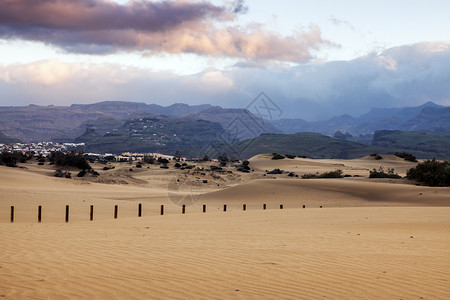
x=153, y=134
x=316, y=145
x=436, y=144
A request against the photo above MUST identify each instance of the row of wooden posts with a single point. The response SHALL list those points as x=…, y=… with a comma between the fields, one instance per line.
x=116, y=211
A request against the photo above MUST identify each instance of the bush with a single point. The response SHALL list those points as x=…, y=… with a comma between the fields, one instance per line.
x=378, y=157
x=290, y=156
x=149, y=160
x=373, y=154
x=163, y=160
x=177, y=165
x=276, y=156
x=70, y=159
x=81, y=173
x=431, y=172
x=60, y=173
x=406, y=156
x=10, y=159
x=331, y=174
x=381, y=174
x=276, y=172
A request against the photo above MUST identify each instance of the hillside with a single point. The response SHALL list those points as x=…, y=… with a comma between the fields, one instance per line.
x=153, y=134
x=6, y=140
x=239, y=123
x=437, y=144
x=316, y=145
x=48, y=123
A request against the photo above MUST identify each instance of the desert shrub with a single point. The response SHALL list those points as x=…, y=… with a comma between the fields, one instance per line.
x=331, y=174
x=149, y=160
x=290, y=156
x=378, y=157
x=374, y=154
x=139, y=165
x=163, y=160
x=276, y=156
x=164, y=166
x=406, y=156
x=241, y=169
x=177, y=165
x=431, y=172
x=60, y=173
x=309, y=176
x=82, y=173
x=215, y=168
x=302, y=156
x=380, y=173
x=10, y=159
x=244, y=167
x=40, y=163
x=276, y=172
x=70, y=159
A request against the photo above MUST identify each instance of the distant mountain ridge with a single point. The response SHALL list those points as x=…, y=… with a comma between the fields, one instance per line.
x=429, y=116
x=46, y=123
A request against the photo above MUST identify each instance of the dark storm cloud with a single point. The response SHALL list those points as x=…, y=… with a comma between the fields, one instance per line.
x=100, y=26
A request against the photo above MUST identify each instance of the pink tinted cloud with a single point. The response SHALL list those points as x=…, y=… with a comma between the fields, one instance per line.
x=180, y=26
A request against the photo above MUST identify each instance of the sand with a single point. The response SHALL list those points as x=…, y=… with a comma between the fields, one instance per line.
x=382, y=239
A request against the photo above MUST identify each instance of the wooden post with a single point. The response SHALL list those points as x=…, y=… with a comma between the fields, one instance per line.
x=244, y=207
x=67, y=213
x=264, y=206
x=91, y=213
x=12, y=214
x=140, y=210
x=224, y=207
x=183, y=209
x=281, y=206
x=162, y=210
x=204, y=208
x=39, y=213
x=116, y=210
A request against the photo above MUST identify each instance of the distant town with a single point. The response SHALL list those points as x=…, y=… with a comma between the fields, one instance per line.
x=44, y=149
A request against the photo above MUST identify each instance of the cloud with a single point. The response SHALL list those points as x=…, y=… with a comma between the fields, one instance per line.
x=338, y=22
x=312, y=92
x=180, y=26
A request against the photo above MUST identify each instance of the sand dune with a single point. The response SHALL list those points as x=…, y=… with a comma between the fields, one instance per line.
x=385, y=239
x=336, y=253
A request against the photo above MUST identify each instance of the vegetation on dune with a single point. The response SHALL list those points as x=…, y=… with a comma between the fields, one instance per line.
x=406, y=156
x=330, y=174
x=431, y=172
x=10, y=159
x=70, y=159
x=276, y=156
x=380, y=173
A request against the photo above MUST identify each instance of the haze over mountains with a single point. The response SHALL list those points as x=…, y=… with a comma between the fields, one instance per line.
x=131, y=126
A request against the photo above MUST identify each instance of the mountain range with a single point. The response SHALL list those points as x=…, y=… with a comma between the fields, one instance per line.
x=429, y=116
x=131, y=126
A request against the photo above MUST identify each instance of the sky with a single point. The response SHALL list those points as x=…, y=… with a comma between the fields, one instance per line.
x=314, y=59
